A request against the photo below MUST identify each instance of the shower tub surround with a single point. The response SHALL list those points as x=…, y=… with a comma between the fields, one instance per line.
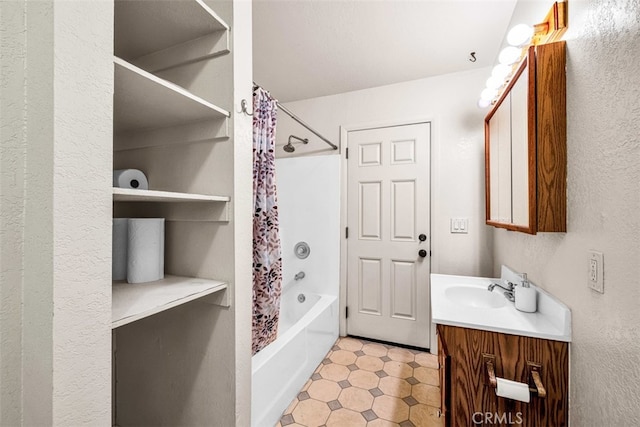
x=309, y=209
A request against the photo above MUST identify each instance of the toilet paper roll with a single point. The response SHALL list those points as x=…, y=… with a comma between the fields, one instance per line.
x=145, y=260
x=513, y=390
x=130, y=178
x=119, y=249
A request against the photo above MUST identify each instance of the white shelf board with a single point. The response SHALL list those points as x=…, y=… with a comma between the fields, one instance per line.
x=145, y=101
x=134, y=195
x=133, y=302
x=143, y=27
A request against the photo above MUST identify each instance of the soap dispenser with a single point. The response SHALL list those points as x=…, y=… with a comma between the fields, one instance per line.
x=525, y=296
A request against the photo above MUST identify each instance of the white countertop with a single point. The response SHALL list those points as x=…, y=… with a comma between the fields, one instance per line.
x=551, y=321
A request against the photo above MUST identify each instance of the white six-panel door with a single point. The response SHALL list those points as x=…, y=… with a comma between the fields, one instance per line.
x=388, y=210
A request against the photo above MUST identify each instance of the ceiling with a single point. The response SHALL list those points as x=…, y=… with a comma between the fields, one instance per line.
x=309, y=48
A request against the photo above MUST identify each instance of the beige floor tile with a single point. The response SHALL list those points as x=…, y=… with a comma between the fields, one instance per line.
x=398, y=369
x=291, y=406
x=350, y=344
x=425, y=393
x=314, y=411
x=400, y=354
x=306, y=385
x=334, y=372
x=363, y=379
x=343, y=357
x=396, y=387
x=372, y=349
x=324, y=390
x=369, y=363
x=427, y=360
x=355, y=398
x=427, y=375
x=391, y=408
x=425, y=416
x=379, y=422
x=311, y=412
x=346, y=418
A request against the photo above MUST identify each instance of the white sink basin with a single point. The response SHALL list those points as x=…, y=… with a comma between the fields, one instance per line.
x=465, y=302
x=473, y=296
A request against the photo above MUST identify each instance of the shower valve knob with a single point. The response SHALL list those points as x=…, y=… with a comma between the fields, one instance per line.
x=422, y=253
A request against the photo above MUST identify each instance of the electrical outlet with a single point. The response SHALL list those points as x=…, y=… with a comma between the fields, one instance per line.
x=595, y=279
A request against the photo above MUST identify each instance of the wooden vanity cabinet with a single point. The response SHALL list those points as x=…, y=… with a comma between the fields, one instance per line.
x=469, y=400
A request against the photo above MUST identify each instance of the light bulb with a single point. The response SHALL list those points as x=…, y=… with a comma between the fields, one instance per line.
x=520, y=35
x=488, y=94
x=484, y=103
x=501, y=71
x=509, y=55
x=494, y=82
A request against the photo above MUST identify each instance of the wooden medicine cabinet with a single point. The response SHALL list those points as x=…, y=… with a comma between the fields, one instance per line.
x=525, y=146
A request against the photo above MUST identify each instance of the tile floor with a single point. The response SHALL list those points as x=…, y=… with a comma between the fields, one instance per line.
x=363, y=383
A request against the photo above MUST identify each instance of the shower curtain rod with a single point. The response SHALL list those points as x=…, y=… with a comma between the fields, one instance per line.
x=299, y=120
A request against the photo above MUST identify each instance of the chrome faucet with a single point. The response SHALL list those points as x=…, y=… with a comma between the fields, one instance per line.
x=508, y=291
x=299, y=276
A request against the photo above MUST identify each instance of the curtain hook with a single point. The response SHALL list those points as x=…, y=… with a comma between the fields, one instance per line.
x=243, y=106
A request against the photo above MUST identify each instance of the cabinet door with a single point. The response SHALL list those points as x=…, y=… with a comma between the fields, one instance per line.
x=500, y=163
x=473, y=400
x=445, y=384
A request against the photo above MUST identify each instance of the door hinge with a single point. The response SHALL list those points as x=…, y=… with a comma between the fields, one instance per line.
x=346, y=312
x=346, y=152
x=346, y=232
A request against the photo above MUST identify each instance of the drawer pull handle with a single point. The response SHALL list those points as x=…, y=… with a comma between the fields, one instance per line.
x=534, y=375
x=490, y=370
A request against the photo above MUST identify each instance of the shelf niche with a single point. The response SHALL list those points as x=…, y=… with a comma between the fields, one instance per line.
x=135, y=301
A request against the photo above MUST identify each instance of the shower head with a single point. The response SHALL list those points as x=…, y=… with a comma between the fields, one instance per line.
x=289, y=148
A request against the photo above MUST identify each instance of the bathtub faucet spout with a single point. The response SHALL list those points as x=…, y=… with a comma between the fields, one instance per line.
x=299, y=276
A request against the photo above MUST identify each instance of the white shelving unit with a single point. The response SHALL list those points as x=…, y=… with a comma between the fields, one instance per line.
x=145, y=101
x=131, y=302
x=174, y=91
x=131, y=195
x=144, y=27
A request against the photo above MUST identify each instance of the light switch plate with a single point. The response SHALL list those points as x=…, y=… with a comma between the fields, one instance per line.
x=595, y=271
x=460, y=225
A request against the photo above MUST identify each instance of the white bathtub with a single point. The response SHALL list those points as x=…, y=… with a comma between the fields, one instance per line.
x=306, y=333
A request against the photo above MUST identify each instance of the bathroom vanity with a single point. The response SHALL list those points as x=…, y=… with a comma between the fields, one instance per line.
x=483, y=340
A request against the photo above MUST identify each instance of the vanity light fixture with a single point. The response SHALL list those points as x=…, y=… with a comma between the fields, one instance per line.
x=501, y=71
x=484, y=103
x=509, y=55
x=489, y=94
x=520, y=37
x=495, y=82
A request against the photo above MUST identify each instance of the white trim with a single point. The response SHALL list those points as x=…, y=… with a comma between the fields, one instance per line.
x=344, y=133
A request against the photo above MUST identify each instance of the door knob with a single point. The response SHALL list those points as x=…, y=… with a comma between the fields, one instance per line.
x=422, y=253
x=422, y=237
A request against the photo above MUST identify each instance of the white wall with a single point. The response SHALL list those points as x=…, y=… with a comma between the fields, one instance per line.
x=57, y=85
x=309, y=210
x=603, y=203
x=457, y=166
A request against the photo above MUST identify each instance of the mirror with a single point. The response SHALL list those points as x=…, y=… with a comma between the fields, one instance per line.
x=509, y=147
